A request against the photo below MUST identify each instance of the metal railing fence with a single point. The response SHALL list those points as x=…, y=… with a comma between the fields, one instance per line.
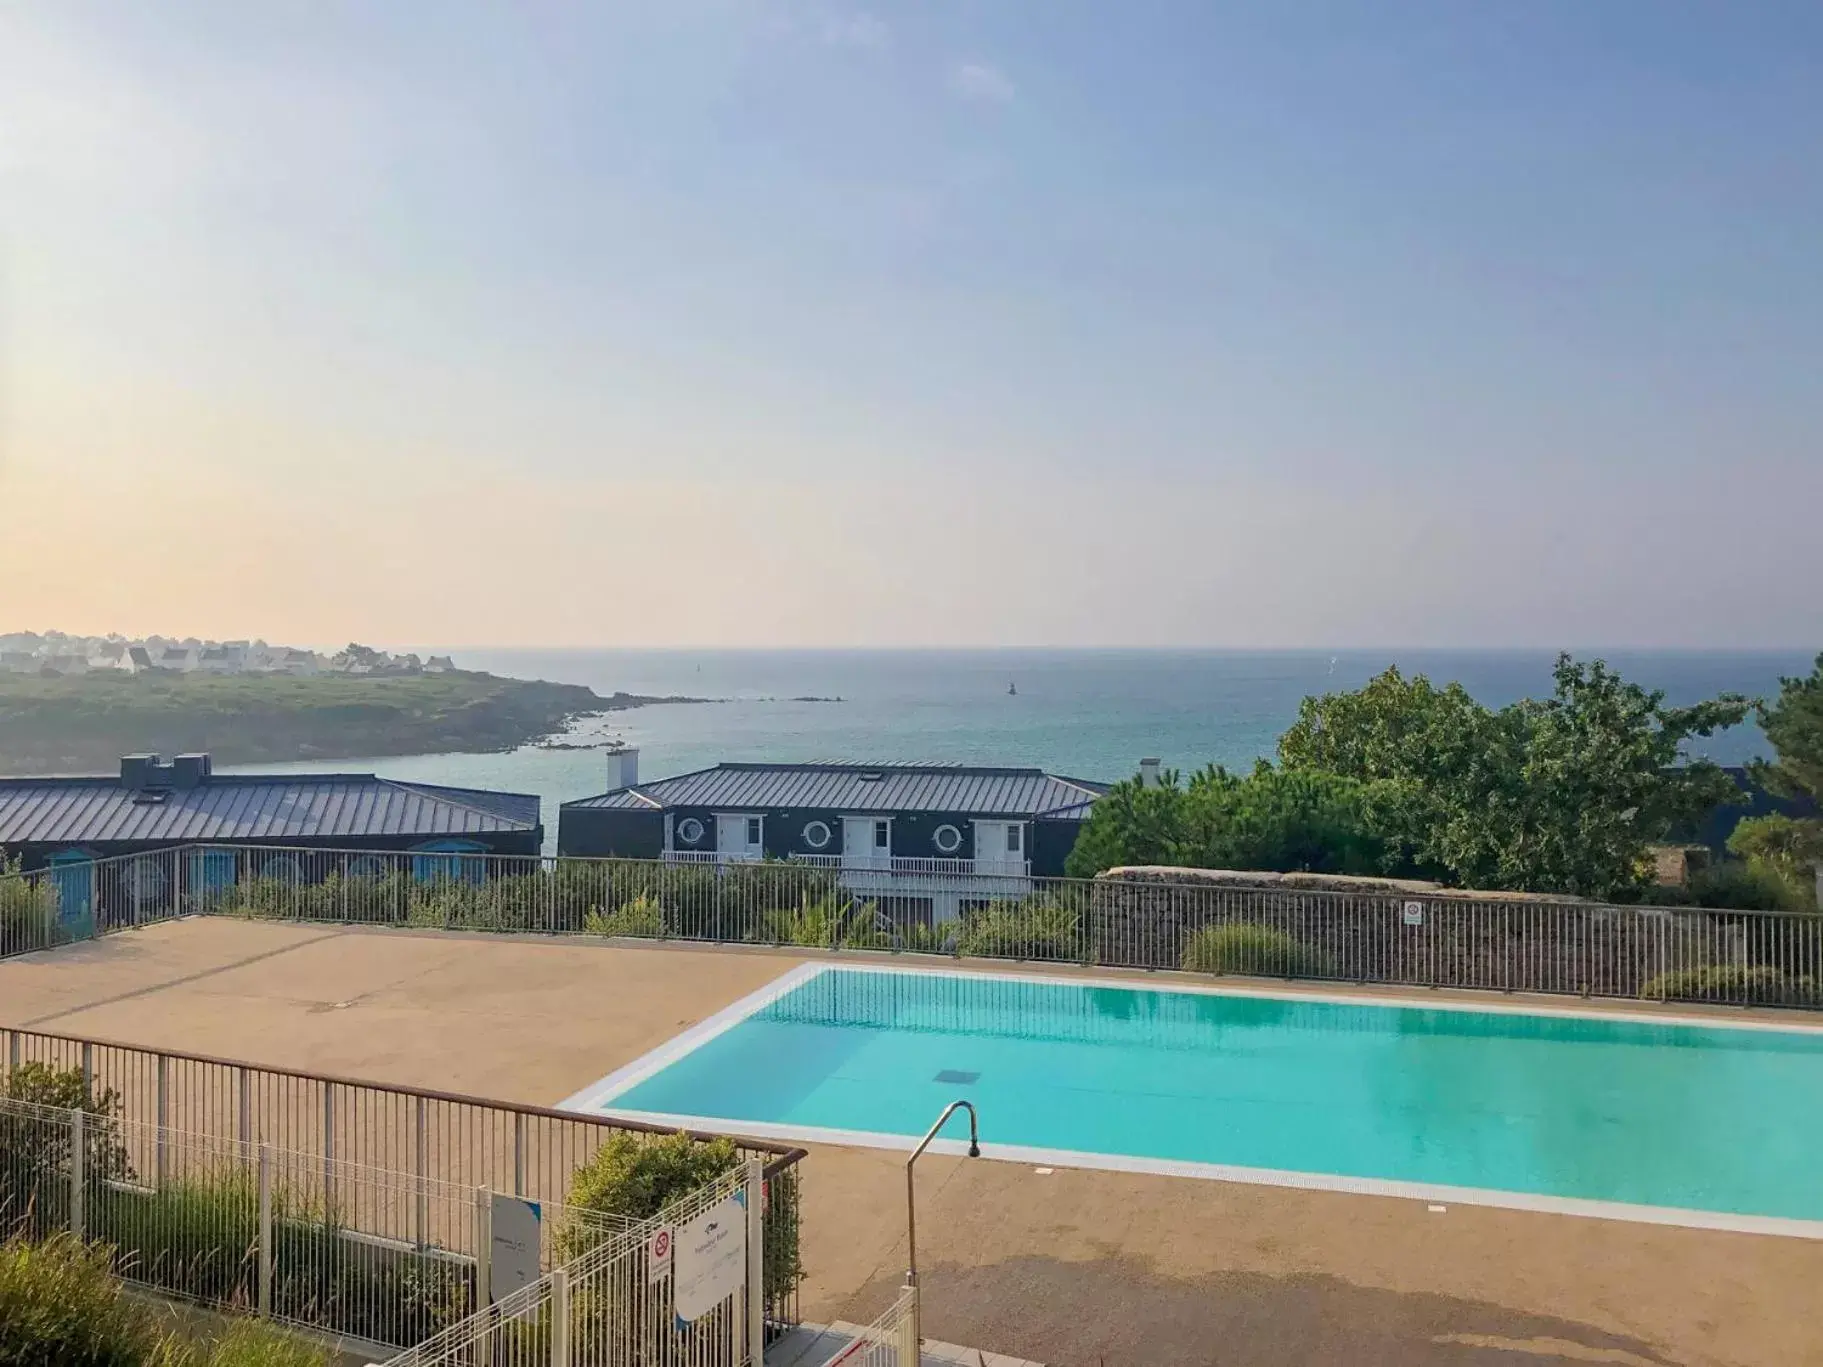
x=441, y=1140
x=619, y=1302
x=356, y=1252
x=890, y=1341
x=1150, y=919
x=80, y=899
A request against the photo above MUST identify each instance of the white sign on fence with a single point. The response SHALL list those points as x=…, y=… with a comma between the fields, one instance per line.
x=658, y=1254
x=1414, y=913
x=710, y=1258
x=515, y=1249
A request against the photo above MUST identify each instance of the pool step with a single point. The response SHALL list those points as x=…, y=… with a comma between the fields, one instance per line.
x=813, y=1345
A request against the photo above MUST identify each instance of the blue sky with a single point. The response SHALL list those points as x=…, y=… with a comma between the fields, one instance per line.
x=977, y=323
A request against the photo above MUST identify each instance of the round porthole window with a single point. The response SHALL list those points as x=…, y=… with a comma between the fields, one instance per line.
x=947, y=839
x=816, y=834
x=689, y=830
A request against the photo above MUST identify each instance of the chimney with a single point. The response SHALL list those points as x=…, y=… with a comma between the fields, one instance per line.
x=190, y=771
x=623, y=768
x=1148, y=773
x=136, y=772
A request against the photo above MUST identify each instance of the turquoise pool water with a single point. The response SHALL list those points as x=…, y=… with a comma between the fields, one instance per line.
x=1713, y=1119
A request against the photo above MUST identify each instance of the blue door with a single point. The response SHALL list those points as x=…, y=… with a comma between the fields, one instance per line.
x=73, y=873
x=211, y=873
x=446, y=864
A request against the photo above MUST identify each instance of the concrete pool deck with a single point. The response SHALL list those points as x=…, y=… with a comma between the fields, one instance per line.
x=1071, y=1267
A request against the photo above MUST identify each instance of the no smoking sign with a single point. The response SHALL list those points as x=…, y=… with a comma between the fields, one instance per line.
x=658, y=1254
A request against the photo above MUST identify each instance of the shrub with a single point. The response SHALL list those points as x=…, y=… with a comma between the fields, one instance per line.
x=1243, y=947
x=60, y=1304
x=28, y=911
x=641, y=916
x=631, y=1179
x=1743, y=885
x=1042, y=927
x=248, y=1343
x=35, y=1145
x=825, y=922
x=1735, y=984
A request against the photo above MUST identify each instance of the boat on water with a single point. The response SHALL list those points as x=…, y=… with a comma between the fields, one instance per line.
x=1012, y=690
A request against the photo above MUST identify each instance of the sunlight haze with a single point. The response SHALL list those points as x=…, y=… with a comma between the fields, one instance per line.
x=714, y=322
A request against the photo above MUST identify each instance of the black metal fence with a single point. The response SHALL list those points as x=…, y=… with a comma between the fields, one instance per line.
x=1152, y=919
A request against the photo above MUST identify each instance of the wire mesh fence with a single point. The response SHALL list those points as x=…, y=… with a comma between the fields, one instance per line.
x=444, y=1146
x=630, y=1300
x=1151, y=919
x=379, y=1257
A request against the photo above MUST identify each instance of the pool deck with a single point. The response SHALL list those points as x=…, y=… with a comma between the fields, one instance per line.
x=1071, y=1267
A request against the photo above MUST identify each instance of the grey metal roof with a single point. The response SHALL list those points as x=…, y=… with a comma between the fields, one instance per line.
x=861, y=788
x=268, y=807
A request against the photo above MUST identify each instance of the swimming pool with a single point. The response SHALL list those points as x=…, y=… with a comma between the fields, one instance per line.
x=1639, y=1117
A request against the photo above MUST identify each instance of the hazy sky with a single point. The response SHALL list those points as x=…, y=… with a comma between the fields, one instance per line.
x=971, y=322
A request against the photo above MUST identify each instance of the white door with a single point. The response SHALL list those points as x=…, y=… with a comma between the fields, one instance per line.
x=867, y=842
x=739, y=837
x=999, y=847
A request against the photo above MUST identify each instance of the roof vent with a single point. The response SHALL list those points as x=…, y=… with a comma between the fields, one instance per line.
x=150, y=797
x=872, y=776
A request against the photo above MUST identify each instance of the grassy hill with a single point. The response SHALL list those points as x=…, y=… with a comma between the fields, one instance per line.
x=84, y=723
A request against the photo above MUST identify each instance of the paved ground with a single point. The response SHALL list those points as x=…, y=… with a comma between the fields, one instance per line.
x=1075, y=1267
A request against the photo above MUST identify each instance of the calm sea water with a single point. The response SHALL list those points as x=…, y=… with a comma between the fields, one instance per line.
x=1087, y=713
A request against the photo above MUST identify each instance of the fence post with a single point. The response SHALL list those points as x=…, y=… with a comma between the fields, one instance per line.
x=12, y=1051
x=328, y=1143
x=519, y=1153
x=484, y=1248
x=560, y=1317
x=909, y=1349
x=756, y=1261
x=79, y=1151
x=243, y=1125
x=161, y=1118
x=88, y=1071
x=265, y=1235
x=421, y=1162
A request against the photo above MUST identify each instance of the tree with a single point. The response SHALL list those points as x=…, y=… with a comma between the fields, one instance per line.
x=1791, y=848
x=1794, y=728
x=1132, y=823
x=1270, y=819
x=1555, y=795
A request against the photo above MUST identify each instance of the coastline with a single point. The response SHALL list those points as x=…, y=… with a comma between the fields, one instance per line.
x=84, y=723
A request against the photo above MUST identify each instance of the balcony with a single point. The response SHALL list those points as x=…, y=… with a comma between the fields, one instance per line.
x=867, y=869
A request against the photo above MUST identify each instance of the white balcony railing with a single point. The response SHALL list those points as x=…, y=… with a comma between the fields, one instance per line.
x=868, y=865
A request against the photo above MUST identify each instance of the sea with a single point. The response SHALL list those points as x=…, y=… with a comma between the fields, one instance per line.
x=1084, y=713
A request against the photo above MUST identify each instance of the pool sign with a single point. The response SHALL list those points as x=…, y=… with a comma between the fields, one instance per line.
x=709, y=1257
x=658, y=1254
x=514, y=1256
x=1414, y=913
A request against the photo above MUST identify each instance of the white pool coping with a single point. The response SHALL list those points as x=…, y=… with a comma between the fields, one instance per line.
x=595, y=1098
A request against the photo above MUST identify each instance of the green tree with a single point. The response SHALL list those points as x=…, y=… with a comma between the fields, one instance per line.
x=1275, y=819
x=1793, y=723
x=1555, y=795
x=1133, y=823
x=1789, y=848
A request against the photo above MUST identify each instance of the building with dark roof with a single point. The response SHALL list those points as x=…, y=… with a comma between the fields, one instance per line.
x=911, y=830
x=153, y=804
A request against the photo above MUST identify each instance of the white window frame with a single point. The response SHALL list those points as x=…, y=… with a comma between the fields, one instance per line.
x=823, y=826
x=954, y=848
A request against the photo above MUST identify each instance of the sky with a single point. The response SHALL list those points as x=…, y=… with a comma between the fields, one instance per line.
x=964, y=322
